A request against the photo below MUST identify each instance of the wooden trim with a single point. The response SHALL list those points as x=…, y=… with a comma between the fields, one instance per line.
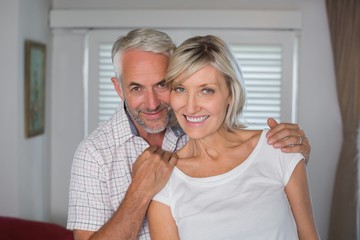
x=233, y=19
x=34, y=100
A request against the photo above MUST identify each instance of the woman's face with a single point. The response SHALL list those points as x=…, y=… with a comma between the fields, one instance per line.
x=200, y=102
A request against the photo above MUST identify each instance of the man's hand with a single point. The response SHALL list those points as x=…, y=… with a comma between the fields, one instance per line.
x=152, y=170
x=289, y=137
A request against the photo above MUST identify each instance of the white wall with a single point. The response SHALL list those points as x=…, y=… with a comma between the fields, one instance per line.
x=9, y=88
x=34, y=157
x=67, y=115
x=25, y=163
x=319, y=112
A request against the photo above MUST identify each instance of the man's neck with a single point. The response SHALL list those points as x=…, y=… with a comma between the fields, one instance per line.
x=153, y=139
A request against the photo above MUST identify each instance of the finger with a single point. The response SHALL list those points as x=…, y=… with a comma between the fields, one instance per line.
x=300, y=140
x=272, y=122
x=173, y=160
x=159, y=151
x=297, y=149
x=166, y=156
x=303, y=148
x=278, y=134
x=152, y=149
x=143, y=156
x=301, y=133
x=290, y=141
x=282, y=128
x=294, y=149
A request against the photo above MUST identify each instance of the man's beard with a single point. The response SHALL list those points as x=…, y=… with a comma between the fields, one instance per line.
x=135, y=116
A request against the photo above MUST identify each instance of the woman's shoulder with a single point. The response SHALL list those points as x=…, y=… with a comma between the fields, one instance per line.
x=249, y=135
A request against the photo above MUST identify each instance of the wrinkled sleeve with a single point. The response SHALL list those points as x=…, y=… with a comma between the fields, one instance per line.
x=288, y=162
x=89, y=206
x=164, y=195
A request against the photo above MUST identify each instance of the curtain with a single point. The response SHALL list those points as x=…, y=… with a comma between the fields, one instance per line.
x=344, y=24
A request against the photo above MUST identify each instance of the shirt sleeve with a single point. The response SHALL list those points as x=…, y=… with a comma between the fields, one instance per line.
x=89, y=206
x=288, y=162
x=164, y=195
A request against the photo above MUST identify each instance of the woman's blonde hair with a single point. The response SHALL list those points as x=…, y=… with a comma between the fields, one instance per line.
x=200, y=51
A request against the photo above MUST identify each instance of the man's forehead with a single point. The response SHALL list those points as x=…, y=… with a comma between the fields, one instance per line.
x=140, y=53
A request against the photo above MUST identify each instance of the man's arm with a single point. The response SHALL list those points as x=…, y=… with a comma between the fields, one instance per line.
x=150, y=173
x=289, y=137
x=126, y=221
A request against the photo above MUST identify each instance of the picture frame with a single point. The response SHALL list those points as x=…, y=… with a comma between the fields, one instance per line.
x=35, y=63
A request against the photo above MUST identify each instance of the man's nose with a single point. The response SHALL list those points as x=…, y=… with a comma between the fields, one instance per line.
x=151, y=99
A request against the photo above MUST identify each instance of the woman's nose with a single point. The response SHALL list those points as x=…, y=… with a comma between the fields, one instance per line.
x=192, y=104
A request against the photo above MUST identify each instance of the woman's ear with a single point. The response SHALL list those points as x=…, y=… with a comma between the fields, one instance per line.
x=117, y=87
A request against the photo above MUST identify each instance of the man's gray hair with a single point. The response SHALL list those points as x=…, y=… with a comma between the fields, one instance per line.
x=145, y=39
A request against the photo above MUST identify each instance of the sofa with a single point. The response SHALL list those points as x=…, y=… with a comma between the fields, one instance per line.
x=20, y=229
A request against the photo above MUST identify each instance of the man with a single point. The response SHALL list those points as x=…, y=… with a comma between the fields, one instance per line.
x=120, y=167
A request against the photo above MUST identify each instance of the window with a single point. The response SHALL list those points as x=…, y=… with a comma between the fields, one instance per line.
x=267, y=60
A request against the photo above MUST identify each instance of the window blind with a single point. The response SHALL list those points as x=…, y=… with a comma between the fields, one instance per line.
x=261, y=67
x=108, y=98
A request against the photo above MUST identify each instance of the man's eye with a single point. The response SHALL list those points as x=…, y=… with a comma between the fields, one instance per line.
x=179, y=89
x=135, y=89
x=163, y=85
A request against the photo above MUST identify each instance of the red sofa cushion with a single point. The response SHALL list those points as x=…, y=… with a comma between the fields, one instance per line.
x=20, y=229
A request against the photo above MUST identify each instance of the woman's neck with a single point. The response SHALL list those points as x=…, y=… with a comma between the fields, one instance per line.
x=217, y=154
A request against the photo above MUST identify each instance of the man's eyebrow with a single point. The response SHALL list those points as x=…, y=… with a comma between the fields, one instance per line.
x=161, y=81
x=138, y=84
x=134, y=84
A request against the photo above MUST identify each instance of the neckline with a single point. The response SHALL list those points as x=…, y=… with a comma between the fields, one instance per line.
x=224, y=177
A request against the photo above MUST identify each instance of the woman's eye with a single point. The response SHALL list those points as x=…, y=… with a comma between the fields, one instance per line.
x=179, y=89
x=208, y=91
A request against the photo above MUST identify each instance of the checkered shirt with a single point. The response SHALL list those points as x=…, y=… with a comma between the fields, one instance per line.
x=101, y=171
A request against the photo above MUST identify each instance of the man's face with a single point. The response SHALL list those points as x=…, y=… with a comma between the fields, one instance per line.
x=144, y=90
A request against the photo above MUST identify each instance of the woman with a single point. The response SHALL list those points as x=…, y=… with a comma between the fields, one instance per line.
x=228, y=182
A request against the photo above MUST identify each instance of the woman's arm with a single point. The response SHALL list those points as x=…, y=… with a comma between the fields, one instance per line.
x=161, y=222
x=298, y=194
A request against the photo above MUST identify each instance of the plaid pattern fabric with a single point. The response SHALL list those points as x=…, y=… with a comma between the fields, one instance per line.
x=101, y=171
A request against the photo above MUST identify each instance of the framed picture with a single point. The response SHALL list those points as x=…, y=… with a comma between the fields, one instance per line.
x=35, y=58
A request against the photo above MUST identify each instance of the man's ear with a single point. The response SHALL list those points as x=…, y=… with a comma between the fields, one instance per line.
x=117, y=87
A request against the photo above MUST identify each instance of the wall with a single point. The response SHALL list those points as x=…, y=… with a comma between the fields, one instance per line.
x=318, y=112
x=25, y=163
x=9, y=87
x=67, y=117
x=34, y=157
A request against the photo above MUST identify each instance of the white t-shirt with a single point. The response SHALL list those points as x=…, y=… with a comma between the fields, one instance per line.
x=248, y=202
